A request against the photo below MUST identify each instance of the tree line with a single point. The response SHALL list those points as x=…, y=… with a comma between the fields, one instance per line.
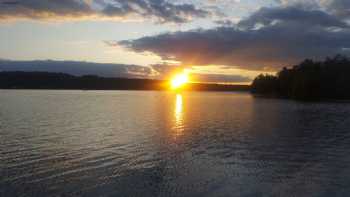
x=309, y=80
x=47, y=80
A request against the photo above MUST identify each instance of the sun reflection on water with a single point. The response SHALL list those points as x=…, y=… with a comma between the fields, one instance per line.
x=178, y=115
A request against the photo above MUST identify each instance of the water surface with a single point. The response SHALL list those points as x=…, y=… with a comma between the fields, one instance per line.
x=134, y=143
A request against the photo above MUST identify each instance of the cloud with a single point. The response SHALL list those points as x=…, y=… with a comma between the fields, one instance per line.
x=219, y=78
x=78, y=68
x=161, y=10
x=291, y=15
x=268, y=39
x=339, y=8
x=39, y=9
x=225, y=22
x=166, y=71
x=310, y=4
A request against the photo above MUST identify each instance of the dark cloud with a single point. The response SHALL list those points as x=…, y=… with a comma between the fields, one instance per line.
x=340, y=8
x=37, y=9
x=269, y=38
x=9, y=2
x=225, y=22
x=291, y=15
x=162, y=10
x=219, y=78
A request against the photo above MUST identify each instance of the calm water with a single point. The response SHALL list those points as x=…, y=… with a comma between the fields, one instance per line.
x=126, y=143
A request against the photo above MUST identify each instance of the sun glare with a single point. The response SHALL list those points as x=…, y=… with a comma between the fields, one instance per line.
x=179, y=80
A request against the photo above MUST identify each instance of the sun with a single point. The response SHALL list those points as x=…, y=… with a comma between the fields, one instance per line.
x=179, y=80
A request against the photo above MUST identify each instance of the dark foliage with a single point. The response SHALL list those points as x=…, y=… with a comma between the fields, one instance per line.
x=310, y=80
x=45, y=80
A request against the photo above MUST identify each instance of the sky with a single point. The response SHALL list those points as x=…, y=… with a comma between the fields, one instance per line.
x=217, y=40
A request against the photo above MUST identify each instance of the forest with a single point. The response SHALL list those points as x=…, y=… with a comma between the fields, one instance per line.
x=309, y=80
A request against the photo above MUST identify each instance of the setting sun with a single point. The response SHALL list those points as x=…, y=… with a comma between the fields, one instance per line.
x=179, y=80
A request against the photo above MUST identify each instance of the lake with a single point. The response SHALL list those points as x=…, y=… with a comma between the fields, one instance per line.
x=138, y=143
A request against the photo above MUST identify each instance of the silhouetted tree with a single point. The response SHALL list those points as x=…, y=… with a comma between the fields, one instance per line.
x=309, y=80
x=266, y=84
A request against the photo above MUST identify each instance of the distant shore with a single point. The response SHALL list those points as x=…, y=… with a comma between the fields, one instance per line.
x=62, y=81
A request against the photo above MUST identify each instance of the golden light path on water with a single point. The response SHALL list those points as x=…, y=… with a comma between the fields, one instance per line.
x=178, y=115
